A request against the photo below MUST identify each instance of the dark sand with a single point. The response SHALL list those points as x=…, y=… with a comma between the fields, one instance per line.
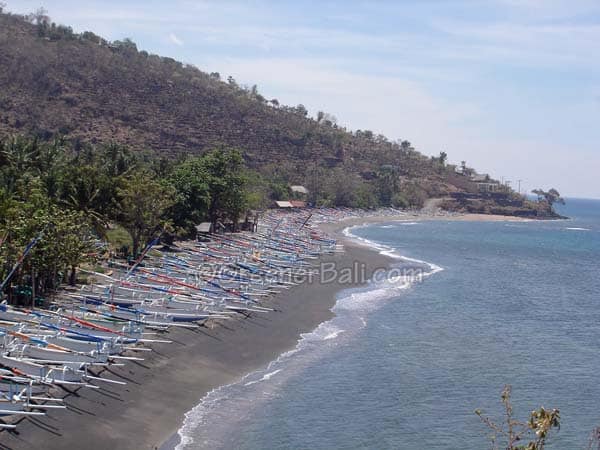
x=149, y=410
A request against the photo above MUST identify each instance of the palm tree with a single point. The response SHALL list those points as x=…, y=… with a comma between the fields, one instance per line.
x=85, y=189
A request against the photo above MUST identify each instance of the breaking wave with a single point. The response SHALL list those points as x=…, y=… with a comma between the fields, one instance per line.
x=210, y=423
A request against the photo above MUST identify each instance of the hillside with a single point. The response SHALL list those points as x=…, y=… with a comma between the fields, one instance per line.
x=53, y=81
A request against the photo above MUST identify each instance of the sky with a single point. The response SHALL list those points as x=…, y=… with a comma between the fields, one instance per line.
x=510, y=86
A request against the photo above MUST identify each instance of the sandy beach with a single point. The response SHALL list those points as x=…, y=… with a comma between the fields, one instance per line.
x=150, y=408
x=148, y=411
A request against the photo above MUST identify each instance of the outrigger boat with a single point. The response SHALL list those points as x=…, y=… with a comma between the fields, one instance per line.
x=187, y=287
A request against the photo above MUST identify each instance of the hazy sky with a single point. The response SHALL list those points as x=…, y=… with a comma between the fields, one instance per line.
x=510, y=86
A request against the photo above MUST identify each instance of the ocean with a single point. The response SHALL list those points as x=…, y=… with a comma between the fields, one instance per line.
x=405, y=362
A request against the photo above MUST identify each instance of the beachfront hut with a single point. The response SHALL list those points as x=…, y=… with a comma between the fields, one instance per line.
x=203, y=230
x=283, y=204
x=298, y=203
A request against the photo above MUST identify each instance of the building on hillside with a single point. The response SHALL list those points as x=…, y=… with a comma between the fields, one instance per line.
x=480, y=178
x=490, y=187
x=486, y=185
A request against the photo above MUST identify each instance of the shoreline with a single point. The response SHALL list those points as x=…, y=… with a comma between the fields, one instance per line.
x=149, y=411
x=337, y=230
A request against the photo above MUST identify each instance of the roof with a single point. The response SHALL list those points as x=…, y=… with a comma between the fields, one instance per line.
x=204, y=227
x=283, y=204
x=298, y=203
x=300, y=189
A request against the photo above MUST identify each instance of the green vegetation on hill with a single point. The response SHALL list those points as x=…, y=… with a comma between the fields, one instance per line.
x=68, y=197
x=99, y=139
x=89, y=90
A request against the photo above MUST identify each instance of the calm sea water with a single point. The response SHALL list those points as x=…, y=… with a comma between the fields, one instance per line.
x=404, y=366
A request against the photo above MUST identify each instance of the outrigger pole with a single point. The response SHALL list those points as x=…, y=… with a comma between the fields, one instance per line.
x=29, y=247
x=306, y=221
x=152, y=243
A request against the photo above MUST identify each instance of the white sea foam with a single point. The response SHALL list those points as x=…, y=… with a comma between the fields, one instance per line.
x=209, y=424
x=388, y=251
x=219, y=406
x=333, y=335
x=577, y=229
x=265, y=377
x=383, y=249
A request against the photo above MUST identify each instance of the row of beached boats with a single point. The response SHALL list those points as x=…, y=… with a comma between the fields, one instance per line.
x=126, y=309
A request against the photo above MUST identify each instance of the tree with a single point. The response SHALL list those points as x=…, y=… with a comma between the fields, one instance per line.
x=540, y=423
x=18, y=156
x=143, y=203
x=65, y=239
x=189, y=179
x=39, y=17
x=73, y=235
x=550, y=198
x=387, y=184
x=85, y=188
x=443, y=158
x=301, y=110
x=338, y=188
x=127, y=45
x=231, y=81
x=117, y=160
x=226, y=185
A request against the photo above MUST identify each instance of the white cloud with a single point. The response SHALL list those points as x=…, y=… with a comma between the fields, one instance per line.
x=175, y=40
x=526, y=44
x=391, y=105
x=454, y=75
x=401, y=108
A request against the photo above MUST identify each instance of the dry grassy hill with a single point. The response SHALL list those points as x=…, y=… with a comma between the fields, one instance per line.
x=54, y=81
